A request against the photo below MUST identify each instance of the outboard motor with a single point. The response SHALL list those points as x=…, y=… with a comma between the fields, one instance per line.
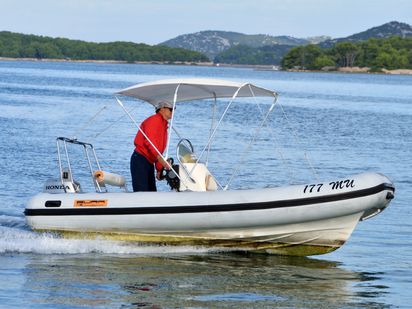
x=172, y=179
x=171, y=175
x=64, y=185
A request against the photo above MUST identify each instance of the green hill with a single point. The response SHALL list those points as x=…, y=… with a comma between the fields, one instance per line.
x=18, y=45
x=387, y=30
x=388, y=53
x=212, y=43
x=242, y=54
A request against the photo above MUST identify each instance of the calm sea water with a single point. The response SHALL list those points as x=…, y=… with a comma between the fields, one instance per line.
x=344, y=123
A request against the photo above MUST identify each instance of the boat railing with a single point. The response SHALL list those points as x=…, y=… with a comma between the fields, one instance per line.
x=66, y=174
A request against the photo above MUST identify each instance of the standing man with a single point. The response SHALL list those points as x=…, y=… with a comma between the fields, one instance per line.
x=145, y=157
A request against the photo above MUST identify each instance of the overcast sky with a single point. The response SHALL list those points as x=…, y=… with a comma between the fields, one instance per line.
x=154, y=21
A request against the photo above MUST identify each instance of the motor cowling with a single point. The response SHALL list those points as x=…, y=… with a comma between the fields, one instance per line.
x=57, y=186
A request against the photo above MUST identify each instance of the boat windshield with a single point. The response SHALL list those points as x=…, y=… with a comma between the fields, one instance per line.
x=185, y=152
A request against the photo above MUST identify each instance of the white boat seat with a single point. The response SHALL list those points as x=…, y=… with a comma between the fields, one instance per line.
x=200, y=179
x=211, y=184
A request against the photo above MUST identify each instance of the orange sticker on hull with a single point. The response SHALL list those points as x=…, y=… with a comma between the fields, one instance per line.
x=90, y=203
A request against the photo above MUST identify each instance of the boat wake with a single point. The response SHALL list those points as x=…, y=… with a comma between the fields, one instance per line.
x=15, y=237
x=12, y=221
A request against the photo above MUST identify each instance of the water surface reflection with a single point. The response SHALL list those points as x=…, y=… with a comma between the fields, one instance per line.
x=201, y=281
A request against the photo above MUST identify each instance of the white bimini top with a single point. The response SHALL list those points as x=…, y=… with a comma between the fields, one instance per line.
x=188, y=89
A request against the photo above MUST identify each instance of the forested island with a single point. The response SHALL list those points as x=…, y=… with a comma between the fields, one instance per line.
x=16, y=45
x=377, y=54
x=373, y=54
x=381, y=48
x=357, y=51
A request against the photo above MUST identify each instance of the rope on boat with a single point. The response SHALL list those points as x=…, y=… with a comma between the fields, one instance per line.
x=297, y=140
x=212, y=135
x=112, y=124
x=242, y=158
x=88, y=122
x=91, y=121
x=171, y=120
x=273, y=135
x=212, y=125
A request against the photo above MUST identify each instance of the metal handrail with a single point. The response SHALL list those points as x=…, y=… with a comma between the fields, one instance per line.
x=86, y=147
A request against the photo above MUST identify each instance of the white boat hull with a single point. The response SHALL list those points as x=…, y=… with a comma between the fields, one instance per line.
x=292, y=220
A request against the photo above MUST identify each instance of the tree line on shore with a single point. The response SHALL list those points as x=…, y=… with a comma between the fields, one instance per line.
x=377, y=54
x=242, y=54
x=15, y=45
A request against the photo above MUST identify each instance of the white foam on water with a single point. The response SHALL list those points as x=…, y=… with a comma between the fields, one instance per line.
x=15, y=240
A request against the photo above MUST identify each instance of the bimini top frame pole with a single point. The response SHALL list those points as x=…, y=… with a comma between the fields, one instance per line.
x=171, y=120
x=212, y=125
x=254, y=137
x=217, y=126
x=148, y=139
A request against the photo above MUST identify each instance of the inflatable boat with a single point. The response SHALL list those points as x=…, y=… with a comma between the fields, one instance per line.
x=307, y=219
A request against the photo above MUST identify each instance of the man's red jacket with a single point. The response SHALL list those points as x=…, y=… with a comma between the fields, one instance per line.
x=155, y=128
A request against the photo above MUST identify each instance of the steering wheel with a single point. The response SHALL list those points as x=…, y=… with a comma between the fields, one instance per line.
x=163, y=171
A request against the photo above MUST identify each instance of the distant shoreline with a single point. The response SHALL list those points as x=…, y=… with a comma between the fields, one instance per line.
x=211, y=64
x=108, y=61
x=367, y=70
